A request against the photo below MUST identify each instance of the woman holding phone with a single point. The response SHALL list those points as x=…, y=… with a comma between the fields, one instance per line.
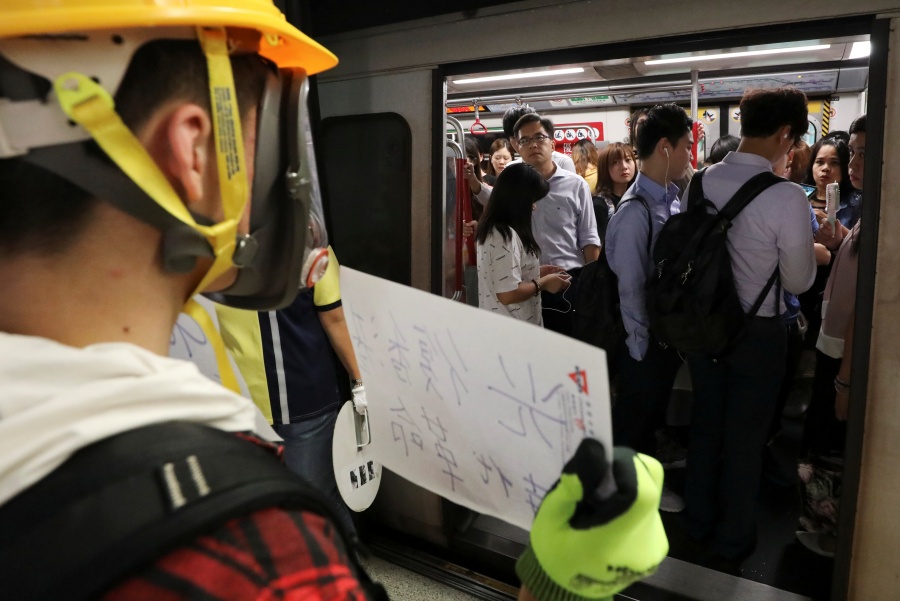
x=510, y=276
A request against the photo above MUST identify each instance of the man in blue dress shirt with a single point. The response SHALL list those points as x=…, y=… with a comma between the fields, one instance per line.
x=646, y=369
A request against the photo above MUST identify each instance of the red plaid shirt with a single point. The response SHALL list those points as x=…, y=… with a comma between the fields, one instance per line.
x=271, y=554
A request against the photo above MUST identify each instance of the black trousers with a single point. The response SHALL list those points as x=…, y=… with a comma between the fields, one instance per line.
x=734, y=398
x=643, y=395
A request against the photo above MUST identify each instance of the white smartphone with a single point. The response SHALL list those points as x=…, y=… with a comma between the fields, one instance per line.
x=832, y=201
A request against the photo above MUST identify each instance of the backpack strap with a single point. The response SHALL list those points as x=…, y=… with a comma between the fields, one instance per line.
x=765, y=291
x=696, y=200
x=752, y=188
x=125, y=501
x=747, y=192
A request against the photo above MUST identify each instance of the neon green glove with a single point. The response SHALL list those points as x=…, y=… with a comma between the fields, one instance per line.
x=587, y=544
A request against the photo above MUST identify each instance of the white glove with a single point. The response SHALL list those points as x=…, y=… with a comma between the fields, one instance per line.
x=359, y=399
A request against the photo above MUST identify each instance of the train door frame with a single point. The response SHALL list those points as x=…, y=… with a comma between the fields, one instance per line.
x=879, y=31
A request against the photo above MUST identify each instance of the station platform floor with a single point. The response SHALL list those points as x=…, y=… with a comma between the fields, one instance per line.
x=405, y=585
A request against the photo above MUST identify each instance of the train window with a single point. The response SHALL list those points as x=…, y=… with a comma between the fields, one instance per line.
x=366, y=169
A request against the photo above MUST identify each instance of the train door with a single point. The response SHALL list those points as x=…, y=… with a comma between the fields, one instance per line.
x=366, y=69
x=596, y=92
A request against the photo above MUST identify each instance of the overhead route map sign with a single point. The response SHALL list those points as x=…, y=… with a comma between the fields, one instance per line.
x=479, y=408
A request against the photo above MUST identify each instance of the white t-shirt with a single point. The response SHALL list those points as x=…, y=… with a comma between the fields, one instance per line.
x=58, y=399
x=502, y=265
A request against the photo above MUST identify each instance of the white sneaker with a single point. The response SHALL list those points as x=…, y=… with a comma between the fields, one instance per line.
x=671, y=501
x=817, y=542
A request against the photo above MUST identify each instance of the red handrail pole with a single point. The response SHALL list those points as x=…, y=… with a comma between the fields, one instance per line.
x=461, y=196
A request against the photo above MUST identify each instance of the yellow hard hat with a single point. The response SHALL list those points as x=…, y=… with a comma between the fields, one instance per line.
x=282, y=43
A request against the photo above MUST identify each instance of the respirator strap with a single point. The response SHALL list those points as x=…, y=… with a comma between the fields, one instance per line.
x=193, y=309
x=88, y=104
x=230, y=160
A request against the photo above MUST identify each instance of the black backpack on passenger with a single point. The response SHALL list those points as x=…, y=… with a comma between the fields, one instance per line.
x=598, y=317
x=119, y=504
x=691, y=296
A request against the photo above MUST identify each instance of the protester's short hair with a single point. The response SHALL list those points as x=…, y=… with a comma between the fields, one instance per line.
x=43, y=213
x=667, y=121
x=512, y=115
x=721, y=148
x=527, y=118
x=764, y=111
x=858, y=126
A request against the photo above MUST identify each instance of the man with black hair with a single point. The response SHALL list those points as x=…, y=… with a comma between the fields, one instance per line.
x=132, y=137
x=564, y=223
x=511, y=116
x=735, y=395
x=646, y=369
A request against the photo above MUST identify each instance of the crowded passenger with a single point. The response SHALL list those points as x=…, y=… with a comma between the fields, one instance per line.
x=475, y=177
x=564, y=223
x=510, y=276
x=824, y=431
x=615, y=172
x=770, y=242
x=646, y=368
x=829, y=163
x=584, y=155
x=720, y=148
x=511, y=117
x=500, y=155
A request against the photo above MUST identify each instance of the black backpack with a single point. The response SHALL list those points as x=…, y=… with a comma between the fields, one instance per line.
x=598, y=317
x=691, y=297
x=110, y=509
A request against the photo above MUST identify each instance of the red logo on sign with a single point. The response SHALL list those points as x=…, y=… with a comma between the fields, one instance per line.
x=580, y=378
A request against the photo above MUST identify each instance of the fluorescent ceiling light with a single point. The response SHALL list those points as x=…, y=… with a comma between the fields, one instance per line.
x=521, y=75
x=860, y=50
x=712, y=57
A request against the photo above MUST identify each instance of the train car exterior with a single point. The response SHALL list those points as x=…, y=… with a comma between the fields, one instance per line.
x=401, y=69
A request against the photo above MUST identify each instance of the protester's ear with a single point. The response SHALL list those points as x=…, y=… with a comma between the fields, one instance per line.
x=186, y=133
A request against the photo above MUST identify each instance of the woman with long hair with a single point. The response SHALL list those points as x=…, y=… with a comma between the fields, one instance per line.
x=510, y=277
x=585, y=157
x=829, y=163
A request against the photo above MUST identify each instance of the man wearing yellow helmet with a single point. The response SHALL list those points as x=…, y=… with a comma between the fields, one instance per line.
x=150, y=151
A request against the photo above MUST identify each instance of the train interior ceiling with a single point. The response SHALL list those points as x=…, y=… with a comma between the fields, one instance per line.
x=832, y=72
x=595, y=99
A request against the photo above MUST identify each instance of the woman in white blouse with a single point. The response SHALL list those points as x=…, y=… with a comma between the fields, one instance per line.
x=510, y=277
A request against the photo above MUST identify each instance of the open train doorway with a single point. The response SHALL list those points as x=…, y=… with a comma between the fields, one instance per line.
x=593, y=98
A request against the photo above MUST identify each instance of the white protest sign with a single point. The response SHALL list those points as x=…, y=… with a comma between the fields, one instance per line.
x=188, y=341
x=479, y=408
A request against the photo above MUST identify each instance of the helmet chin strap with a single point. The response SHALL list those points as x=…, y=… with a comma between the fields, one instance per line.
x=88, y=104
